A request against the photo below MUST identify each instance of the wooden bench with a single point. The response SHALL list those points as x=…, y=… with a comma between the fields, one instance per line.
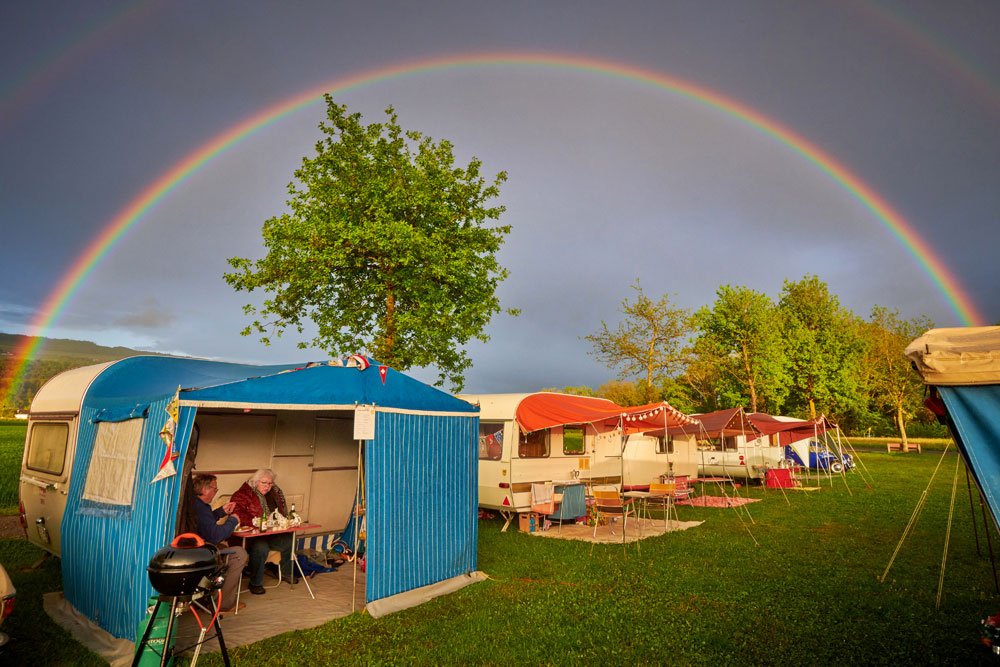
x=898, y=447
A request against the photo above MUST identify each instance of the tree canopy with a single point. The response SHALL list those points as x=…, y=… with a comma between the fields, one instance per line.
x=742, y=333
x=823, y=347
x=387, y=248
x=649, y=342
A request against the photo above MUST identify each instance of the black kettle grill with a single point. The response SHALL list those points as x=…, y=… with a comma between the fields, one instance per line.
x=188, y=565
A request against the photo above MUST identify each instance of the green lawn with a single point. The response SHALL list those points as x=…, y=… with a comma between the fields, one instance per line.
x=12, y=434
x=807, y=592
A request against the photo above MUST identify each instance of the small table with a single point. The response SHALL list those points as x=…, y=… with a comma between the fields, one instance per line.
x=643, y=498
x=251, y=533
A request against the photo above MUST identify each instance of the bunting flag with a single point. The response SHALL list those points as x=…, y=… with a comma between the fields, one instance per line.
x=167, y=436
x=383, y=371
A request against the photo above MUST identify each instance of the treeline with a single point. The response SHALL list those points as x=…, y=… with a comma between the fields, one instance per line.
x=801, y=355
x=52, y=356
x=35, y=375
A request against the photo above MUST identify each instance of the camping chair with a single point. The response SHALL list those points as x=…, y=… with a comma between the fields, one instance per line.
x=683, y=489
x=609, y=505
x=664, y=496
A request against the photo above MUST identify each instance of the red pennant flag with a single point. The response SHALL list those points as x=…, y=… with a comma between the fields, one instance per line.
x=383, y=371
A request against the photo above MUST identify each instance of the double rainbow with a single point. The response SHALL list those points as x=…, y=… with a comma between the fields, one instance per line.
x=115, y=230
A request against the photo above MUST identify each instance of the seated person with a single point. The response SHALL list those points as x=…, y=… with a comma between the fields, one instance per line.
x=205, y=487
x=259, y=496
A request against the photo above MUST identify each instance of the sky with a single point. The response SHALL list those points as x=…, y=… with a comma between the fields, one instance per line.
x=687, y=145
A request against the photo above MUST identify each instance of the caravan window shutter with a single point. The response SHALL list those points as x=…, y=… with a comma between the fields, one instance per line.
x=111, y=476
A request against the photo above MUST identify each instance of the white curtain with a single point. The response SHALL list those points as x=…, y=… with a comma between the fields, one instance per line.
x=111, y=477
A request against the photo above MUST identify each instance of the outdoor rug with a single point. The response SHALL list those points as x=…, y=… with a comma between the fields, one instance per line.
x=583, y=532
x=717, y=501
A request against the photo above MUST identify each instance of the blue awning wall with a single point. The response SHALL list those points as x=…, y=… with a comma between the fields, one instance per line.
x=975, y=416
x=104, y=554
x=422, y=490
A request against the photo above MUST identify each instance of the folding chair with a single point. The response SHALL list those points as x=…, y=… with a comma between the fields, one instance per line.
x=609, y=505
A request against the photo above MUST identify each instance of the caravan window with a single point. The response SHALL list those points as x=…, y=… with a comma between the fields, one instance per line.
x=534, y=445
x=664, y=444
x=573, y=440
x=111, y=476
x=724, y=444
x=47, y=447
x=490, y=440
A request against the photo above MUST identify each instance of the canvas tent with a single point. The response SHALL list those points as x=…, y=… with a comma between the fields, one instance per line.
x=962, y=366
x=419, y=467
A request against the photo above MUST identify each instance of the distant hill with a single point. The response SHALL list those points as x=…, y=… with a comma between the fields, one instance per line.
x=53, y=356
x=53, y=349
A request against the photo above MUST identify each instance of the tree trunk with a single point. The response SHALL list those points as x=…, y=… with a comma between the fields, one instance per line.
x=901, y=423
x=812, y=408
x=390, y=329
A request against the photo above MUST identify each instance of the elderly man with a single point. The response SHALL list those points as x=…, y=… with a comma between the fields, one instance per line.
x=205, y=487
x=259, y=496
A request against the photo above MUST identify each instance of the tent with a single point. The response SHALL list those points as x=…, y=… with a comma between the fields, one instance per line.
x=417, y=452
x=962, y=367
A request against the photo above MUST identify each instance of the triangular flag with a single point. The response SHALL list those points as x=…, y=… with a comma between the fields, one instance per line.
x=383, y=371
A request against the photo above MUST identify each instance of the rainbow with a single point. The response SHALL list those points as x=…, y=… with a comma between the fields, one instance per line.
x=115, y=230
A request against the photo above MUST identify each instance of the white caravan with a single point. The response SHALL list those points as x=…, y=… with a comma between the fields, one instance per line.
x=511, y=460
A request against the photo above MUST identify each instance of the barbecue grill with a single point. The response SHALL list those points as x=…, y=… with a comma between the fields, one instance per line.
x=187, y=565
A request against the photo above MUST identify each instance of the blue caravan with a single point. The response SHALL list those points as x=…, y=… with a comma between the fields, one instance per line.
x=110, y=449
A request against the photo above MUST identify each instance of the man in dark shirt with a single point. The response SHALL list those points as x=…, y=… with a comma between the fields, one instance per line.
x=205, y=487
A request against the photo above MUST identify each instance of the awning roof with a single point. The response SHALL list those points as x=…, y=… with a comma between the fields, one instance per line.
x=789, y=431
x=732, y=421
x=305, y=386
x=545, y=410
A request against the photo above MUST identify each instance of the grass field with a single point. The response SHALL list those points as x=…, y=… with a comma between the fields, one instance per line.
x=799, y=584
x=12, y=434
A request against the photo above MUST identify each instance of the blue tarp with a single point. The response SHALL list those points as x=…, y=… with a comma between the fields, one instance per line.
x=975, y=419
x=329, y=385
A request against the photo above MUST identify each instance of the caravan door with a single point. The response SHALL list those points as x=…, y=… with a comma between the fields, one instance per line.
x=45, y=472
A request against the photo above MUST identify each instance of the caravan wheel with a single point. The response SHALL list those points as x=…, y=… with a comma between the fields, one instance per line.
x=836, y=467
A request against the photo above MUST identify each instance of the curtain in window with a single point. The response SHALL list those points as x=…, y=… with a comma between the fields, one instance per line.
x=111, y=475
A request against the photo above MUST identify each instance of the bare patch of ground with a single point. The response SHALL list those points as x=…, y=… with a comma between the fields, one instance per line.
x=10, y=527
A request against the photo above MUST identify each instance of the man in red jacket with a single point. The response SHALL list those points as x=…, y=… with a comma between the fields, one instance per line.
x=259, y=496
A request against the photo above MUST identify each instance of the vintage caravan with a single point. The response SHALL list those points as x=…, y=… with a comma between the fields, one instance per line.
x=110, y=449
x=551, y=437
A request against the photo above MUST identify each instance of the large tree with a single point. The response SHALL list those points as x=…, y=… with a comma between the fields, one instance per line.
x=386, y=248
x=823, y=348
x=894, y=387
x=741, y=334
x=648, y=343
